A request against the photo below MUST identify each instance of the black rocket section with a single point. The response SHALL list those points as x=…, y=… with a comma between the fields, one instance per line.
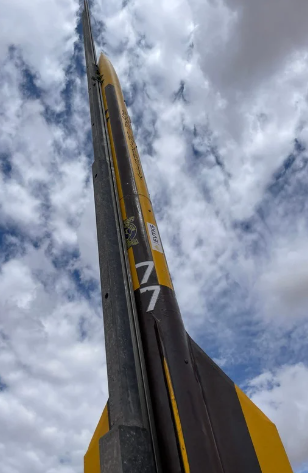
x=232, y=437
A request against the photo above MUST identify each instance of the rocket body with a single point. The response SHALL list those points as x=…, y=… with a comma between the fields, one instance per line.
x=200, y=421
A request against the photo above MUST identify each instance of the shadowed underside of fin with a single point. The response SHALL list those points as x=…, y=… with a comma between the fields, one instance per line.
x=246, y=440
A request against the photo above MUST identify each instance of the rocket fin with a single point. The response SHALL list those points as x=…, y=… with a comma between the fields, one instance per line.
x=246, y=440
x=92, y=458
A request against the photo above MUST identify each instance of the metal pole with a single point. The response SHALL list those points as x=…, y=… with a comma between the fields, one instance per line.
x=127, y=446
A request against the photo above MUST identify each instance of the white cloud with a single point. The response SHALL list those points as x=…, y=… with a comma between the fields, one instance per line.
x=248, y=41
x=284, y=282
x=51, y=334
x=87, y=241
x=282, y=397
x=48, y=367
x=45, y=33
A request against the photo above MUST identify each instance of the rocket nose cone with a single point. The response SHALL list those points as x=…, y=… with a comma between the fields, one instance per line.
x=103, y=57
x=105, y=63
x=106, y=69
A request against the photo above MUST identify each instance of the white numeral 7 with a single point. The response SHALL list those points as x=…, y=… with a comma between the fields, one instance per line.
x=156, y=291
x=150, y=266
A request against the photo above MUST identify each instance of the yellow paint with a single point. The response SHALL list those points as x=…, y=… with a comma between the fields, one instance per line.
x=91, y=458
x=177, y=419
x=159, y=259
x=116, y=170
x=123, y=209
x=265, y=438
x=133, y=270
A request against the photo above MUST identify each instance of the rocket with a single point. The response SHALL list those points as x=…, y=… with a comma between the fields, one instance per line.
x=170, y=408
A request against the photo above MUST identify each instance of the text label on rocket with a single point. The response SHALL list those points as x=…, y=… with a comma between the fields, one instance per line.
x=154, y=237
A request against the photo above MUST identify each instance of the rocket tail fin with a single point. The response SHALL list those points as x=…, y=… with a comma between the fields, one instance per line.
x=92, y=457
x=245, y=438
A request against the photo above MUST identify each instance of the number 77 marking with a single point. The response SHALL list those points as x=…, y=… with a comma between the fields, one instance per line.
x=147, y=274
x=153, y=300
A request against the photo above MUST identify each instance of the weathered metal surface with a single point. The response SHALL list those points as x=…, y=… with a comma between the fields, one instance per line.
x=124, y=450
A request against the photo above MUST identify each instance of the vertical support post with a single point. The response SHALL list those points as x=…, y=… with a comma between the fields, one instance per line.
x=126, y=448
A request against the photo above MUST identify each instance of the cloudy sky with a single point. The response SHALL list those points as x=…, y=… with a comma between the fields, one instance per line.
x=217, y=91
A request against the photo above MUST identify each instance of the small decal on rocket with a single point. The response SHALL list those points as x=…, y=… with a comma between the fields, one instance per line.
x=154, y=238
x=130, y=231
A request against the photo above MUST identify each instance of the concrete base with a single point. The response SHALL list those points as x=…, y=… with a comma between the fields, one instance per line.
x=126, y=450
